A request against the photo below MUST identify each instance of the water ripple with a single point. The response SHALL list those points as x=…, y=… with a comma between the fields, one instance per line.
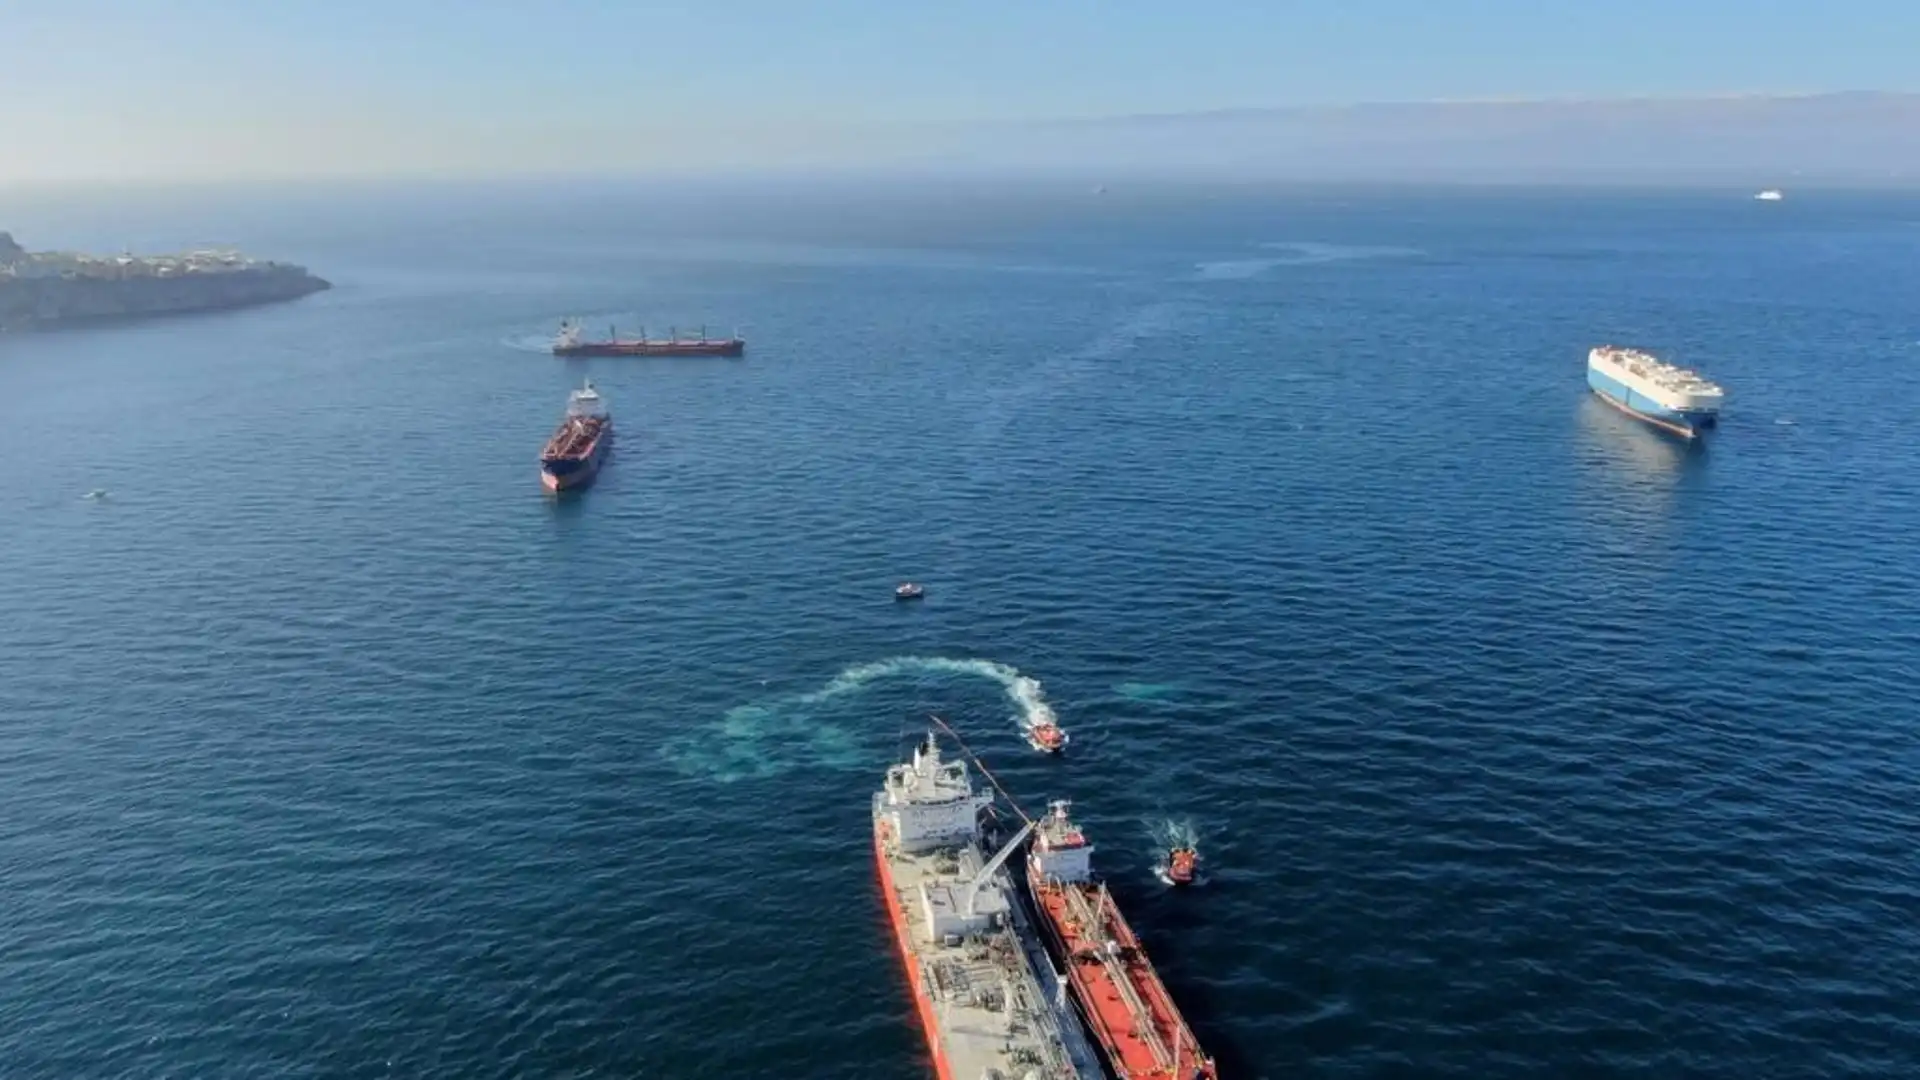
x=1519, y=741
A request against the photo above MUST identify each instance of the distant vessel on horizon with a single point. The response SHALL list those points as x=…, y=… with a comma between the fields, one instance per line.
x=1647, y=388
x=1770, y=195
x=568, y=342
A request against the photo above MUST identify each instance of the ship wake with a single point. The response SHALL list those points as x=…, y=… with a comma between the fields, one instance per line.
x=794, y=731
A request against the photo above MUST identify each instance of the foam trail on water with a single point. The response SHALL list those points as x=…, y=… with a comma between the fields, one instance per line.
x=1023, y=690
x=1146, y=691
x=1174, y=833
x=768, y=737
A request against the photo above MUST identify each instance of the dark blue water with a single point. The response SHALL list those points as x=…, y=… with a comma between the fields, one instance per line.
x=1521, y=741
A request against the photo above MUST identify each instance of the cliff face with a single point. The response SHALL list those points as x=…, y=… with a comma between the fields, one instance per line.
x=38, y=290
x=50, y=301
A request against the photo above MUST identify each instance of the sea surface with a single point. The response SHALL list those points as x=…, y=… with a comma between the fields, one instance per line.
x=1519, y=740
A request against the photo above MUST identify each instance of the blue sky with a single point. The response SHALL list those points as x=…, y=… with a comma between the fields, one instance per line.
x=132, y=86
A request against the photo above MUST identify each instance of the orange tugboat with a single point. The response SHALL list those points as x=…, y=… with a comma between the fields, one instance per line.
x=1128, y=1011
x=1046, y=737
x=1181, y=863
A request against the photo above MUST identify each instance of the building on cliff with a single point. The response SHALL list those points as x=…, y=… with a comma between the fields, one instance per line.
x=40, y=289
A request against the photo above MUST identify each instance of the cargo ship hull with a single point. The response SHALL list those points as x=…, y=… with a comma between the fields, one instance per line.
x=903, y=947
x=579, y=446
x=1114, y=1006
x=728, y=347
x=1127, y=1012
x=1654, y=392
x=1687, y=425
x=565, y=474
x=987, y=999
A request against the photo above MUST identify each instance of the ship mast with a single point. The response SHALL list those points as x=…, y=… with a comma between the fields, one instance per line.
x=978, y=764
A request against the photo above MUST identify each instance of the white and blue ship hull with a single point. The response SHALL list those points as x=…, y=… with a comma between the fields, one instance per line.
x=1688, y=424
x=1657, y=393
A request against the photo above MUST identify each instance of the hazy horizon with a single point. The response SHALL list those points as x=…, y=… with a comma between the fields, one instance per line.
x=1860, y=139
x=113, y=90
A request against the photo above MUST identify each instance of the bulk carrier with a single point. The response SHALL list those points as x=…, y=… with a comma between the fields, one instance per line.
x=568, y=342
x=990, y=1001
x=1127, y=1008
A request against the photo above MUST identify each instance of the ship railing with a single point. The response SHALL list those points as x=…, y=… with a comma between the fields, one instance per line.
x=1094, y=918
x=1026, y=1000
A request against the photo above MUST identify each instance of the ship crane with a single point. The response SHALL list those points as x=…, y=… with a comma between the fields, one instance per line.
x=994, y=864
x=982, y=766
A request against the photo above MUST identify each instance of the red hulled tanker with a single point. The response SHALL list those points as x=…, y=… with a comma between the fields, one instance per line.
x=1127, y=1009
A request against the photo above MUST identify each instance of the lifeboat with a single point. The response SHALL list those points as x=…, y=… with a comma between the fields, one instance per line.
x=1047, y=738
x=907, y=590
x=1181, y=865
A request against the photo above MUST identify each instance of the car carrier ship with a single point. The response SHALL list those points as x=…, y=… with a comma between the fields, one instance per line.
x=1647, y=388
x=989, y=999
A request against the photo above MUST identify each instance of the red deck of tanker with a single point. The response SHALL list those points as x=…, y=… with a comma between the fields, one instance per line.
x=1126, y=1006
x=573, y=454
x=574, y=439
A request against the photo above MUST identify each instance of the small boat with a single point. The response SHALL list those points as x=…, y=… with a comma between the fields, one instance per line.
x=907, y=590
x=1181, y=865
x=1046, y=737
x=1770, y=195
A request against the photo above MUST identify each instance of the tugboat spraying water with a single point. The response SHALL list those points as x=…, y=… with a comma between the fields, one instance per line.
x=573, y=455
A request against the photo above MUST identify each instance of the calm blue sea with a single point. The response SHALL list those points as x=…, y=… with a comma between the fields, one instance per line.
x=1521, y=740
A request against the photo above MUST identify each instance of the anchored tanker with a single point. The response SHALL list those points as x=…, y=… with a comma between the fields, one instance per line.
x=573, y=454
x=1668, y=397
x=1131, y=1016
x=989, y=999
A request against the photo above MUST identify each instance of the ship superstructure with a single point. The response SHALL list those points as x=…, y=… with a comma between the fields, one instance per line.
x=988, y=997
x=1127, y=1009
x=1665, y=395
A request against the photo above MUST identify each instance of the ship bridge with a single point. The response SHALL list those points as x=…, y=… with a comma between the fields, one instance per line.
x=930, y=803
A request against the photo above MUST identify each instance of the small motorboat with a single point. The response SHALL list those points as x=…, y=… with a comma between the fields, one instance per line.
x=1181, y=865
x=1047, y=738
x=907, y=590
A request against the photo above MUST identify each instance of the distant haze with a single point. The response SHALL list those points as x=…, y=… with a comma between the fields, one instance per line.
x=133, y=91
x=1858, y=137
x=1854, y=138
